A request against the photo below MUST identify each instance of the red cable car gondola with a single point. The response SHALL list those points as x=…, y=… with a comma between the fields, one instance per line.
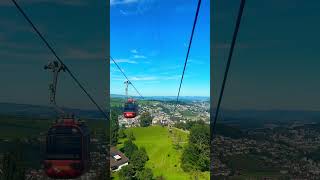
x=130, y=109
x=67, y=142
x=67, y=149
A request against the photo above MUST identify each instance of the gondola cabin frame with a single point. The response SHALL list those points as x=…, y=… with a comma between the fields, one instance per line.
x=73, y=161
x=130, y=109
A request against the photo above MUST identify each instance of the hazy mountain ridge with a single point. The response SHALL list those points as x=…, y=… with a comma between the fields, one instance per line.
x=226, y=116
x=248, y=119
x=164, y=98
x=41, y=111
x=270, y=114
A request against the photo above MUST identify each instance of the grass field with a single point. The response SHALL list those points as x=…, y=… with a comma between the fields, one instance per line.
x=164, y=159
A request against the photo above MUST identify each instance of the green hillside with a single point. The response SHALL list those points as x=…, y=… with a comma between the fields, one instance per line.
x=164, y=159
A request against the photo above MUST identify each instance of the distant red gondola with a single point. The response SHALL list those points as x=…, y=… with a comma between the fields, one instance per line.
x=130, y=109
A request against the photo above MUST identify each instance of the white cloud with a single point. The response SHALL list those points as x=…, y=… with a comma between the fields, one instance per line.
x=185, y=44
x=154, y=78
x=139, y=57
x=141, y=6
x=194, y=61
x=123, y=12
x=146, y=78
x=116, y=2
x=136, y=55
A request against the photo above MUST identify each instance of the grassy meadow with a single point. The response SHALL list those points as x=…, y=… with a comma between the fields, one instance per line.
x=164, y=158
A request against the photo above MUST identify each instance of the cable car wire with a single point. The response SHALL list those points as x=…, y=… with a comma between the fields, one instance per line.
x=234, y=38
x=187, y=56
x=126, y=77
x=58, y=58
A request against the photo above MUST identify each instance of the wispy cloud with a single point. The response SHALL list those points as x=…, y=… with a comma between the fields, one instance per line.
x=125, y=61
x=139, y=56
x=140, y=6
x=116, y=2
x=146, y=78
x=154, y=78
x=123, y=12
x=136, y=54
x=185, y=44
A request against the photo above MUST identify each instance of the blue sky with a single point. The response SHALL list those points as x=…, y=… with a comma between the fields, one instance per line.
x=76, y=30
x=275, y=66
x=276, y=58
x=149, y=39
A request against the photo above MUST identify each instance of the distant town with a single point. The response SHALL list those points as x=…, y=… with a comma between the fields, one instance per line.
x=168, y=112
x=290, y=151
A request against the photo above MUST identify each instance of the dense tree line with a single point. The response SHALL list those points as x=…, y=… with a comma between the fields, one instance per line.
x=138, y=157
x=12, y=164
x=196, y=155
x=115, y=112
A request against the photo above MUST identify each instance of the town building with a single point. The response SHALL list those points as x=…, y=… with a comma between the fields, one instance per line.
x=117, y=159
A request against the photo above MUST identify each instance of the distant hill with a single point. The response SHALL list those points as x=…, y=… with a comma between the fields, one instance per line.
x=44, y=111
x=259, y=118
x=166, y=98
x=284, y=115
